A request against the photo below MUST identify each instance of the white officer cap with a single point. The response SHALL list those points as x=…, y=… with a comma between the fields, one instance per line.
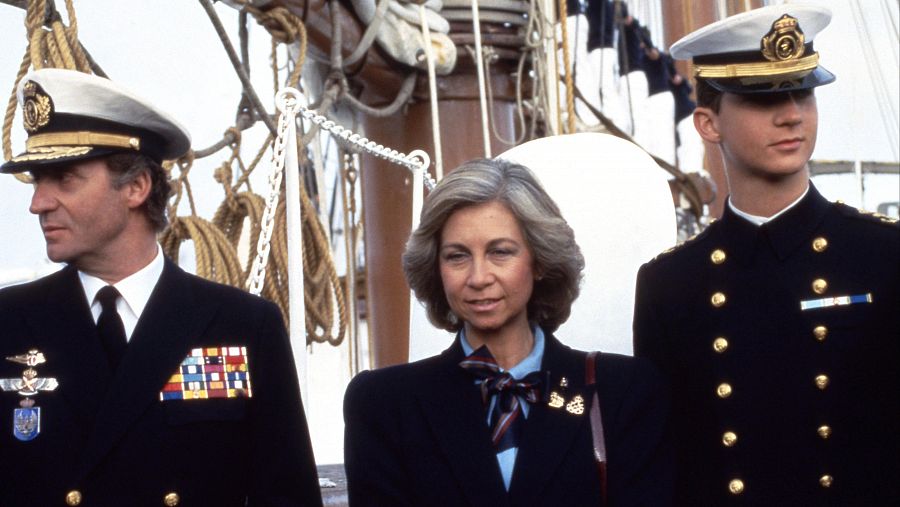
x=764, y=50
x=72, y=116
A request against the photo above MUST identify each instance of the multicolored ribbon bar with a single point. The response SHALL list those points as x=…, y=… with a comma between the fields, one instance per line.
x=210, y=372
x=813, y=304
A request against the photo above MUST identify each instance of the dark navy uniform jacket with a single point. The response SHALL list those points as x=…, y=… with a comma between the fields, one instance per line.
x=772, y=404
x=601, y=24
x=416, y=435
x=107, y=436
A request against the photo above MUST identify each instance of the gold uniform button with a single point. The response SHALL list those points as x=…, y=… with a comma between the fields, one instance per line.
x=819, y=286
x=820, y=332
x=822, y=381
x=717, y=299
x=826, y=481
x=729, y=438
x=736, y=486
x=73, y=497
x=171, y=499
x=824, y=431
x=820, y=244
x=720, y=345
x=717, y=256
x=724, y=390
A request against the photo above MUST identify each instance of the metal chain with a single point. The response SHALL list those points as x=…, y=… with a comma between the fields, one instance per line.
x=289, y=105
x=415, y=160
x=258, y=272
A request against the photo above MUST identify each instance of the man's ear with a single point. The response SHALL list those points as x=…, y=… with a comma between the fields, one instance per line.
x=138, y=189
x=706, y=121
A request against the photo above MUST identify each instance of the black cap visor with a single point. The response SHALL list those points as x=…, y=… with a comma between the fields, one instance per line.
x=55, y=156
x=772, y=84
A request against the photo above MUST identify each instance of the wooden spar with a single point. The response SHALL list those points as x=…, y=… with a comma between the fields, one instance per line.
x=387, y=195
x=682, y=17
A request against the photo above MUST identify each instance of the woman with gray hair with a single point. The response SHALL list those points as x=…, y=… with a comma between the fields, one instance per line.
x=507, y=415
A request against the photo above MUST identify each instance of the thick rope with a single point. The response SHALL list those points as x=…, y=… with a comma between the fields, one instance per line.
x=216, y=258
x=320, y=279
x=570, y=95
x=285, y=28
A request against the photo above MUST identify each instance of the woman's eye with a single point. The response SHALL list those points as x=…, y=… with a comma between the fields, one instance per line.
x=454, y=256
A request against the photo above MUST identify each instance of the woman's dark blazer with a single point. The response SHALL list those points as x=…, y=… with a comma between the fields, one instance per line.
x=416, y=435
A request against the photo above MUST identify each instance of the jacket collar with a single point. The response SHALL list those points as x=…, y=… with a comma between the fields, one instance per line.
x=783, y=234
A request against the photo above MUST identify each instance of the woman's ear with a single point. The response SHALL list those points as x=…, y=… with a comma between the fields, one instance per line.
x=706, y=121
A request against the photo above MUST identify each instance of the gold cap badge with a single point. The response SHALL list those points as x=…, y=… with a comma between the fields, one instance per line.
x=36, y=108
x=785, y=40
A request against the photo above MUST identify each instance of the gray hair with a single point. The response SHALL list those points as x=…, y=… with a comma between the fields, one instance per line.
x=557, y=258
x=127, y=167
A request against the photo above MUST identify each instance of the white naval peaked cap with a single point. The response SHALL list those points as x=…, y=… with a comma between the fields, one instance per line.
x=764, y=50
x=71, y=116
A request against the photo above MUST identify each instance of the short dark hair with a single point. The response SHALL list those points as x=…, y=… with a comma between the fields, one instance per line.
x=551, y=241
x=707, y=96
x=128, y=166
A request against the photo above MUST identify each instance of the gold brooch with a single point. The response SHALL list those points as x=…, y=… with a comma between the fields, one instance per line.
x=556, y=400
x=576, y=406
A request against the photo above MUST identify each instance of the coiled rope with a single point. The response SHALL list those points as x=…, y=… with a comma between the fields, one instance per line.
x=323, y=291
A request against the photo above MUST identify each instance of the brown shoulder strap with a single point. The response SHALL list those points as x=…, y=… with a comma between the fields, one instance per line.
x=590, y=379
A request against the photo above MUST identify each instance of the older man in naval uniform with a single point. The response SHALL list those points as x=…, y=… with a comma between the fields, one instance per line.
x=778, y=327
x=126, y=381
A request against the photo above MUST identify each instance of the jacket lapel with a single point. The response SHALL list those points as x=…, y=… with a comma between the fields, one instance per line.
x=549, y=433
x=171, y=324
x=80, y=363
x=453, y=408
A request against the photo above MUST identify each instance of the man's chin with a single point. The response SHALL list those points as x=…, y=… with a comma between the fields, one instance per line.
x=56, y=255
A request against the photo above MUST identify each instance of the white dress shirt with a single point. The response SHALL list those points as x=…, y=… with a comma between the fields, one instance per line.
x=758, y=220
x=135, y=290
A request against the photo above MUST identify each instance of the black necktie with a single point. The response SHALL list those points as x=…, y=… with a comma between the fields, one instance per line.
x=110, y=327
x=507, y=418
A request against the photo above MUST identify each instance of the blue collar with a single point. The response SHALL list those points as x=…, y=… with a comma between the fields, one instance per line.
x=531, y=363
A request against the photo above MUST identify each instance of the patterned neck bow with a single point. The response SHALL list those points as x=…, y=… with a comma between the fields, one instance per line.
x=506, y=418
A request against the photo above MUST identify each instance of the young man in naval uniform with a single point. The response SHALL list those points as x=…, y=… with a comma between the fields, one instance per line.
x=777, y=327
x=125, y=380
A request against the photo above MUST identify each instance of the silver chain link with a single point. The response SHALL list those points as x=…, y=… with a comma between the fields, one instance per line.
x=279, y=152
x=415, y=160
x=289, y=105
